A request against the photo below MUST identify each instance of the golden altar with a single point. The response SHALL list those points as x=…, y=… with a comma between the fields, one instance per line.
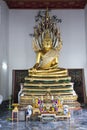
x=48, y=88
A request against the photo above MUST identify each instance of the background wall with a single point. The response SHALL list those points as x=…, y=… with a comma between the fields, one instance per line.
x=4, y=35
x=16, y=44
x=86, y=46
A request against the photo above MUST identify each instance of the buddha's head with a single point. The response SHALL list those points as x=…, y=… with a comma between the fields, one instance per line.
x=47, y=42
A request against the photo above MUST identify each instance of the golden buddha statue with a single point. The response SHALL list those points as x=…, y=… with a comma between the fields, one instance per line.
x=47, y=57
x=46, y=76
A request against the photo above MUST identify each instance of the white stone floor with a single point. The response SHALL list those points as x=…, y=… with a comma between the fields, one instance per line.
x=78, y=121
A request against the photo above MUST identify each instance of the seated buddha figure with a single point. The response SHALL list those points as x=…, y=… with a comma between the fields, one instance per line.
x=47, y=56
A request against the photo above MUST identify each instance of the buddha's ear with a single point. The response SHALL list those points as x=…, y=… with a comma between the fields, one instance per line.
x=59, y=45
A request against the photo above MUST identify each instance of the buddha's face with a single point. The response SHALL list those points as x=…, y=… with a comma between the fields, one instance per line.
x=47, y=45
x=47, y=42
